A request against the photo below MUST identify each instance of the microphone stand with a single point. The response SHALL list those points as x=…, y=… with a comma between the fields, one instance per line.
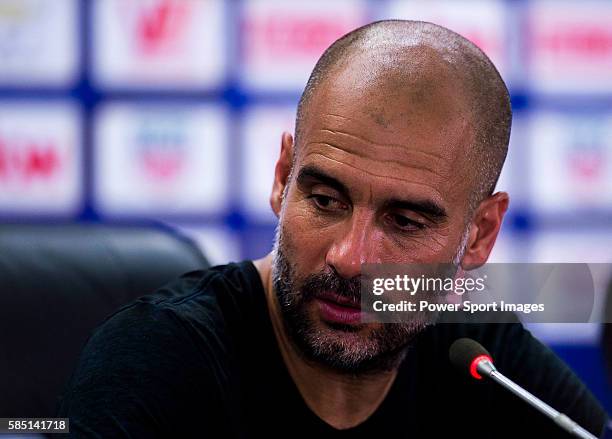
x=485, y=367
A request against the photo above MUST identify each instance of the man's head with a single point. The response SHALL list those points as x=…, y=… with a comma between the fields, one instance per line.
x=401, y=134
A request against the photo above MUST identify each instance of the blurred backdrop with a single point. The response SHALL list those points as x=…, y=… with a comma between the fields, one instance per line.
x=171, y=111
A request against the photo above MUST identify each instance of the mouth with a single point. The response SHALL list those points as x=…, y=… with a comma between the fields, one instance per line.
x=335, y=308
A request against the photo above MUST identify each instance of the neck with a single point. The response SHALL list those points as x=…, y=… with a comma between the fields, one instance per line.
x=341, y=400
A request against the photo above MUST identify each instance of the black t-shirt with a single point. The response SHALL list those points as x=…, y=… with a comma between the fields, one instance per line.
x=199, y=359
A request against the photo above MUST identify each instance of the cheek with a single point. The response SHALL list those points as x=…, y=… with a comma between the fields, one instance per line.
x=446, y=244
x=303, y=238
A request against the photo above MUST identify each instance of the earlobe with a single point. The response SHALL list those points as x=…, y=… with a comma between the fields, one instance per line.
x=281, y=173
x=484, y=230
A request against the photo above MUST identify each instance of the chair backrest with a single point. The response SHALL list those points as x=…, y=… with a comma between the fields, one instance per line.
x=57, y=283
x=606, y=335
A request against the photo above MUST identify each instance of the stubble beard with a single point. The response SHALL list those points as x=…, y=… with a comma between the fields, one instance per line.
x=351, y=349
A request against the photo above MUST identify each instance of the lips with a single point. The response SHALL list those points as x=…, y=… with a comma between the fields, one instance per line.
x=335, y=308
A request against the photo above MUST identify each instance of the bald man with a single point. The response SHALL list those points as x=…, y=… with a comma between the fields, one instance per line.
x=401, y=134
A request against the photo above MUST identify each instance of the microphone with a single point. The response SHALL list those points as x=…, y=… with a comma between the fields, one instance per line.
x=469, y=356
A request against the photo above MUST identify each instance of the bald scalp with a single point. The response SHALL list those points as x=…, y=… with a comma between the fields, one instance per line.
x=419, y=58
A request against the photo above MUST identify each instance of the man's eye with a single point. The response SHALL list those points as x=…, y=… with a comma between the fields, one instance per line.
x=324, y=202
x=406, y=224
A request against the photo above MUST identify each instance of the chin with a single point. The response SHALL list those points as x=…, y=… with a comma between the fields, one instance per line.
x=348, y=349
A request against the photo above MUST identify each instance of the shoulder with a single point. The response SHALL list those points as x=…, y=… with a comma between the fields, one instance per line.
x=185, y=322
x=209, y=295
x=238, y=280
x=197, y=308
x=163, y=357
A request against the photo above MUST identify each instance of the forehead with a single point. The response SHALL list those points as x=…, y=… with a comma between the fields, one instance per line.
x=398, y=131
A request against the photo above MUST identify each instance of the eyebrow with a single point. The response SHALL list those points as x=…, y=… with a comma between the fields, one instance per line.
x=426, y=207
x=311, y=173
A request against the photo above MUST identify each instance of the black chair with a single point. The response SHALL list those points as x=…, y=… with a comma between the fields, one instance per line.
x=57, y=283
x=606, y=336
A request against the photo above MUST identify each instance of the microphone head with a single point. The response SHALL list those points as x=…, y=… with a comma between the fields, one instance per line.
x=465, y=353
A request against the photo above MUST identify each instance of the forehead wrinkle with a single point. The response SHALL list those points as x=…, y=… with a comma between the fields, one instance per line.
x=384, y=145
x=435, y=170
x=338, y=116
x=438, y=195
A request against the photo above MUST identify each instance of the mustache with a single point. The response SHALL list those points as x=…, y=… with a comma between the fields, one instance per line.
x=331, y=282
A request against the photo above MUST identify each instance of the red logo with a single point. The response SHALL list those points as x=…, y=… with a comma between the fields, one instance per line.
x=158, y=27
x=161, y=149
x=24, y=161
x=290, y=36
x=579, y=41
x=586, y=154
x=587, y=165
x=162, y=165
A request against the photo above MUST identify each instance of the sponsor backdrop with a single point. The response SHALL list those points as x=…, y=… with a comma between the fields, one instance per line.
x=171, y=111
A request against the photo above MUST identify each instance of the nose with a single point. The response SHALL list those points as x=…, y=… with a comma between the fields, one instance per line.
x=353, y=246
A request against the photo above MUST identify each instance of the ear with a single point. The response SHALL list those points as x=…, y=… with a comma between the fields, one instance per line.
x=281, y=173
x=484, y=229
